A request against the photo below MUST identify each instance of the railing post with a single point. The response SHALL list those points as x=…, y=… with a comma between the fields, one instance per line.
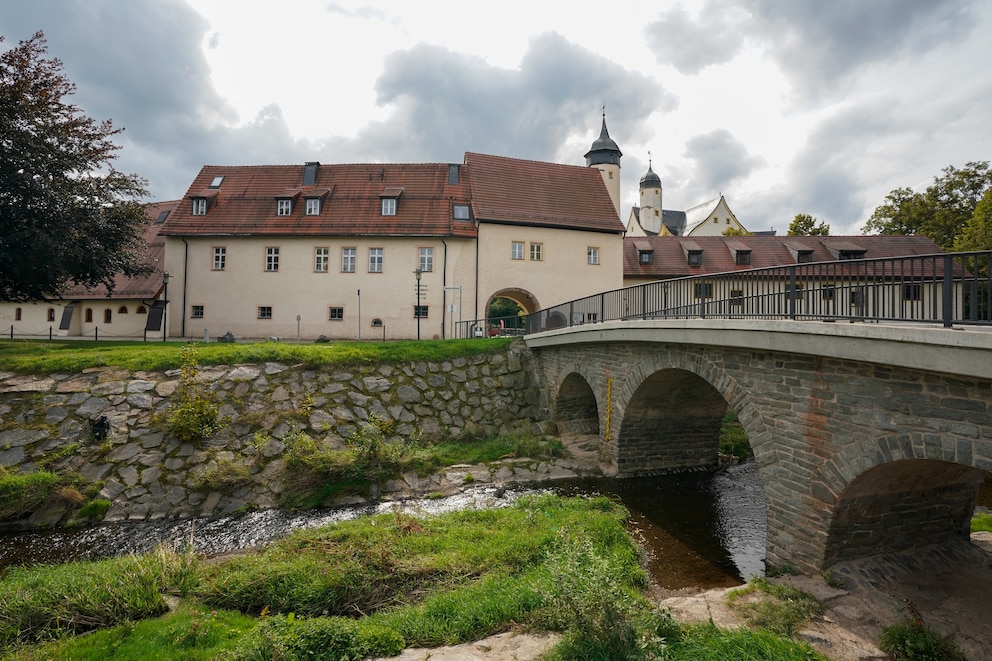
x=792, y=293
x=49, y=333
x=948, y=291
x=644, y=302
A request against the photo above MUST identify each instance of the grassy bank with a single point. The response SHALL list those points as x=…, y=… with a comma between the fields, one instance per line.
x=371, y=587
x=72, y=356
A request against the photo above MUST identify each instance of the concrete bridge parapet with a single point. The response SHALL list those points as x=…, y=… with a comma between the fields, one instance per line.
x=868, y=438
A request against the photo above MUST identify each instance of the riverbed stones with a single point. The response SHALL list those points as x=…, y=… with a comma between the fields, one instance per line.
x=147, y=473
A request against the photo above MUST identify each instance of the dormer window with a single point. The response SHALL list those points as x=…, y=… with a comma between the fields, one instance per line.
x=389, y=198
x=644, y=257
x=284, y=207
x=461, y=212
x=742, y=258
x=695, y=257
x=313, y=206
x=804, y=256
x=851, y=254
x=199, y=206
x=389, y=206
x=645, y=252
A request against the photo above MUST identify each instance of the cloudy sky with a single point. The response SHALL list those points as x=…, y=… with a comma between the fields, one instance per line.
x=783, y=106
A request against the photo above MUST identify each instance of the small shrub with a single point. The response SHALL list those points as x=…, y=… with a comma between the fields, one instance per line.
x=226, y=476
x=193, y=416
x=95, y=509
x=912, y=640
x=982, y=522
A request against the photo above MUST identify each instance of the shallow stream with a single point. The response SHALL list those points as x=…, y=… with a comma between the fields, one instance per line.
x=697, y=530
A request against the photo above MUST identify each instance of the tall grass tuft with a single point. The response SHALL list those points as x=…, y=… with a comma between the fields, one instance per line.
x=23, y=494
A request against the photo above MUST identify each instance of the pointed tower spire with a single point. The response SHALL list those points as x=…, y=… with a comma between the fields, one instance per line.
x=604, y=155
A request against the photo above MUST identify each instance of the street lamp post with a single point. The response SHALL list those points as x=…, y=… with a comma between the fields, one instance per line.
x=452, y=315
x=165, y=306
x=416, y=313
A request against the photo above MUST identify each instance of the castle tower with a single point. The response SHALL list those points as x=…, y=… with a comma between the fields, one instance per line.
x=605, y=155
x=650, y=202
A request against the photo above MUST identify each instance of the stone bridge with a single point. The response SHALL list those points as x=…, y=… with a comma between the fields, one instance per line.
x=869, y=438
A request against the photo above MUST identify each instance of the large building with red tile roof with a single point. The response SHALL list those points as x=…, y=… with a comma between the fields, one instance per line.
x=384, y=251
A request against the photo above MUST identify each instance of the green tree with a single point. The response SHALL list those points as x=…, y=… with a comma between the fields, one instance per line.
x=66, y=215
x=733, y=231
x=941, y=212
x=977, y=233
x=806, y=225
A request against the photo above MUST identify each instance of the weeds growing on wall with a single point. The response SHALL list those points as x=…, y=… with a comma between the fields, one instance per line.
x=193, y=416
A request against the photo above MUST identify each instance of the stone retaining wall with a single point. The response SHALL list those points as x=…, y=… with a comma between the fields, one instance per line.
x=147, y=474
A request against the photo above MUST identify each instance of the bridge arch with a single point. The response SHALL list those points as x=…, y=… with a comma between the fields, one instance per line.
x=521, y=297
x=576, y=408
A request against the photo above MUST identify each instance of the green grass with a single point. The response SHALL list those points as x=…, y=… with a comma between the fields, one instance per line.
x=73, y=356
x=733, y=438
x=23, y=494
x=981, y=522
x=705, y=642
x=912, y=640
x=780, y=609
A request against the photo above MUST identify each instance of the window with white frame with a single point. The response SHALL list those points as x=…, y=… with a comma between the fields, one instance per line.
x=321, y=258
x=348, y=260
x=271, y=259
x=536, y=252
x=592, y=255
x=284, y=207
x=389, y=206
x=196, y=312
x=517, y=250
x=199, y=206
x=461, y=212
x=375, y=260
x=264, y=311
x=220, y=258
x=426, y=259
x=335, y=314
x=313, y=206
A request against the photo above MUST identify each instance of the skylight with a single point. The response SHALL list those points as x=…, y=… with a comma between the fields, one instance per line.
x=216, y=181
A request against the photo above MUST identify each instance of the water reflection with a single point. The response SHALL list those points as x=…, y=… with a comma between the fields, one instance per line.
x=697, y=530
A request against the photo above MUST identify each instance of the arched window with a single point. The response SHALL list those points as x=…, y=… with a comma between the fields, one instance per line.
x=108, y=315
x=377, y=323
x=141, y=310
x=122, y=309
x=89, y=315
x=51, y=314
x=17, y=314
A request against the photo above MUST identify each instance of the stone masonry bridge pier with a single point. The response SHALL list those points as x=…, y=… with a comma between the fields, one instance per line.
x=869, y=438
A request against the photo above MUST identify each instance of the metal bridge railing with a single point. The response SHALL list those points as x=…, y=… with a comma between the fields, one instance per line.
x=947, y=288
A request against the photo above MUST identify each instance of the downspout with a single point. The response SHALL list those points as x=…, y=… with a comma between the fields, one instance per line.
x=477, y=270
x=182, y=325
x=444, y=283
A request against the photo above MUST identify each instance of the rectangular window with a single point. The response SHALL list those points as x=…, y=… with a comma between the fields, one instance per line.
x=743, y=258
x=321, y=258
x=271, y=259
x=375, y=260
x=284, y=207
x=196, y=312
x=426, y=259
x=827, y=293
x=736, y=298
x=420, y=311
x=592, y=255
x=912, y=293
x=852, y=254
x=517, y=250
x=703, y=290
x=794, y=292
x=389, y=206
x=220, y=258
x=348, y=260
x=216, y=181
x=313, y=206
x=804, y=256
x=199, y=206
x=335, y=314
x=645, y=257
x=264, y=311
x=695, y=258
x=536, y=252
x=461, y=212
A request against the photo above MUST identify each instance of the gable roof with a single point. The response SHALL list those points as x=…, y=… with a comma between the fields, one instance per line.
x=245, y=202
x=143, y=286
x=669, y=260
x=520, y=192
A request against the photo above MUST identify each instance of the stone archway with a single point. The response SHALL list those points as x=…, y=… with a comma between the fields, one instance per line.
x=523, y=298
x=575, y=408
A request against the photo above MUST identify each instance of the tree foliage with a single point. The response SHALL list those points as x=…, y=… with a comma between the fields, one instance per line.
x=977, y=233
x=941, y=212
x=66, y=215
x=733, y=231
x=806, y=225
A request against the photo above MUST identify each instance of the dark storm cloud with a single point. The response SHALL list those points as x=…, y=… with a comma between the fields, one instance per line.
x=692, y=45
x=140, y=64
x=446, y=103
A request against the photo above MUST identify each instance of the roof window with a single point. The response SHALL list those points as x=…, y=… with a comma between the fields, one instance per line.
x=216, y=181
